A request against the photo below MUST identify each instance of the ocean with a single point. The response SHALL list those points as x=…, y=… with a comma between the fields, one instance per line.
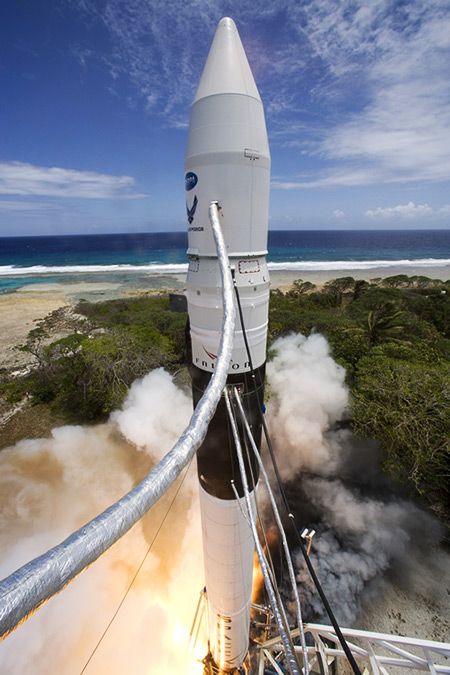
x=30, y=260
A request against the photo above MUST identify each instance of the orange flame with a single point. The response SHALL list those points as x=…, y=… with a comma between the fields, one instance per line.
x=272, y=540
x=258, y=579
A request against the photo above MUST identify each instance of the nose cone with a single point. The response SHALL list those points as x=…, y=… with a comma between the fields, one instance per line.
x=226, y=70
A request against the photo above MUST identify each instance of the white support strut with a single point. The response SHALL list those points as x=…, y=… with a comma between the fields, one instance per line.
x=284, y=635
x=280, y=529
x=378, y=652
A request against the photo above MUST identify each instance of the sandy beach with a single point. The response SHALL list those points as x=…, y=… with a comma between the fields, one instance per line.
x=20, y=311
x=284, y=279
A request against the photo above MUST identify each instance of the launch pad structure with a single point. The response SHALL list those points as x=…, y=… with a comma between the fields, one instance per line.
x=317, y=648
x=227, y=189
x=378, y=653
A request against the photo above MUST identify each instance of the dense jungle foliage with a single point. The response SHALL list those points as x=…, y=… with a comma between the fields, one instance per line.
x=392, y=336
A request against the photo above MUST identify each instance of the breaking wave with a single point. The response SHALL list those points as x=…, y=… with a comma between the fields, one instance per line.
x=181, y=268
x=324, y=265
x=12, y=270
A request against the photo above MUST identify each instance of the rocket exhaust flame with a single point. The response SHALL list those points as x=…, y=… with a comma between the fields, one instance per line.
x=270, y=547
x=258, y=580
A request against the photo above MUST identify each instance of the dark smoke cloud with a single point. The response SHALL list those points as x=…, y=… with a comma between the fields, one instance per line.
x=360, y=538
x=334, y=484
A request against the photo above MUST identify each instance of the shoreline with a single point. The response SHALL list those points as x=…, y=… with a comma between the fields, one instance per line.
x=24, y=306
x=174, y=279
x=284, y=279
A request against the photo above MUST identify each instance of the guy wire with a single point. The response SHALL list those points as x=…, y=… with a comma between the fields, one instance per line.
x=119, y=606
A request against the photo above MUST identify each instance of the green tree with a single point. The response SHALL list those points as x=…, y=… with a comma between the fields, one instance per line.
x=300, y=287
x=339, y=289
x=397, y=281
x=383, y=321
x=405, y=405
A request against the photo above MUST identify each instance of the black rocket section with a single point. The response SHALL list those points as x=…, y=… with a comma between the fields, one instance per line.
x=217, y=462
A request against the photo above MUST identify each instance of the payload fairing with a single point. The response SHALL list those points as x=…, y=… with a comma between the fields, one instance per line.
x=228, y=162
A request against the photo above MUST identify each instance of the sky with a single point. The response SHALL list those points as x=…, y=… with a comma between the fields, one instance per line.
x=95, y=98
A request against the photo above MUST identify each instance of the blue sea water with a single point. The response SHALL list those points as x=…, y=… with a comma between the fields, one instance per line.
x=28, y=260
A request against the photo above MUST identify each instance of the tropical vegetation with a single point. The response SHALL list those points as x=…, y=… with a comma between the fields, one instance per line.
x=392, y=336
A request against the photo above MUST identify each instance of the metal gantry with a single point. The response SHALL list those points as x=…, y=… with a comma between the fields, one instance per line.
x=376, y=653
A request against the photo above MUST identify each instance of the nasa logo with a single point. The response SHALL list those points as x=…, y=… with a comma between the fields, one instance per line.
x=190, y=180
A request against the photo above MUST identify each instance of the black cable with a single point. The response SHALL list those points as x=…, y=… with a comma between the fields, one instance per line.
x=308, y=562
x=253, y=485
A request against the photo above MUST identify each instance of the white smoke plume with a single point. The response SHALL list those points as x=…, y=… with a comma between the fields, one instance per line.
x=49, y=487
x=307, y=396
x=154, y=413
x=363, y=529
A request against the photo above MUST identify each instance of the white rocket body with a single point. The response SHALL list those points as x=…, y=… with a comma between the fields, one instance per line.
x=227, y=161
x=228, y=559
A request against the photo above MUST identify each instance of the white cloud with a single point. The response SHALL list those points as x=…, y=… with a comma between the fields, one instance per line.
x=407, y=211
x=402, y=132
x=339, y=178
x=144, y=32
x=15, y=205
x=363, y=85
x=18, y=178
x=338, y=214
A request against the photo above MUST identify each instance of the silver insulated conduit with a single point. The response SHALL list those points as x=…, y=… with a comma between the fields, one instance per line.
x=30, y=586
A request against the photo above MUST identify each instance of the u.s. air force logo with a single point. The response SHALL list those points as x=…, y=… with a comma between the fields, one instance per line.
x=191, y=211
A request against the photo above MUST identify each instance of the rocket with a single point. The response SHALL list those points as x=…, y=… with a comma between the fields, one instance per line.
x=227, y=161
